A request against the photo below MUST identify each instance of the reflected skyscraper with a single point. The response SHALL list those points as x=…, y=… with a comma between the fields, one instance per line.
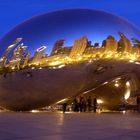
x=124, y=45
x=25, y=59
x=111, y=44
x=4, y=57
x=39, y=54
x=17, y=55
x=79, y=47
x=57, y=46
x=18, y=52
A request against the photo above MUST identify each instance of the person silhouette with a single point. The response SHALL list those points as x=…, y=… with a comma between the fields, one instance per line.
x=89, y=103
x=64, y=107
x=95, y=104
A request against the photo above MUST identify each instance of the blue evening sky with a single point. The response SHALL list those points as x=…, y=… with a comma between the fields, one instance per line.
x=13, y=12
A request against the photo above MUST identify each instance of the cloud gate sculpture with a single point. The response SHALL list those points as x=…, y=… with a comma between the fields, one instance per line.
x=33, y=75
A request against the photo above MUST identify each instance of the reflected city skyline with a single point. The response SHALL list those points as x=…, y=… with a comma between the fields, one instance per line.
x=16, y=56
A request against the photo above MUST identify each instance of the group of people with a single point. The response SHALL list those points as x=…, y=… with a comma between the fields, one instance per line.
x=81, y=104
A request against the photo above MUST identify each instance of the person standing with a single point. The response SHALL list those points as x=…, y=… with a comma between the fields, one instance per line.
x=84, y=104
x=95, y=104
x=76, y=105
x=64, y=107
x=81, y=103
x=89, y=103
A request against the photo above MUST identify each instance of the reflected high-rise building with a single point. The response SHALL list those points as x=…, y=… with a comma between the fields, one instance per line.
x=57, y=46
x=136, y=42
x=136, y=46
x=17, y=55
x=79, y=47
x=39, y=54
x=4, y=57
x=25, y=59
x=110, y=44
x=10, y=47
x=64, y=50
x=124, y=45
x=18, y=52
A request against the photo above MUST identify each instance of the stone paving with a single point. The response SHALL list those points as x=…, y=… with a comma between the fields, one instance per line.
x=69, y=126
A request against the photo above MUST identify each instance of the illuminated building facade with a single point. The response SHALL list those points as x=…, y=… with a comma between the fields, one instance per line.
x=79, y=47
x=64, y=50
x=136, y=42
x=17, y=55
x=12, y=46
x=4, y=57
x=26, y=59
x=111, y=44
x=94, y=50
x=39, y=54
x=57, y=47
x=18, y=52
x=124, y=45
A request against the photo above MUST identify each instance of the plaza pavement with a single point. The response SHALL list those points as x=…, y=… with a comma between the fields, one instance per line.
x=69, y=126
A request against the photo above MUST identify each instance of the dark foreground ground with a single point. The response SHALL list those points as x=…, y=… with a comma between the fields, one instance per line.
x=69, y=126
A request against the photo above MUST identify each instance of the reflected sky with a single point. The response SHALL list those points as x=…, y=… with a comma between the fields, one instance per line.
x=69, y=25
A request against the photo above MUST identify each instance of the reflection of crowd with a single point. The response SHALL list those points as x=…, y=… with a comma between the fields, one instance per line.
x=81, y=104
